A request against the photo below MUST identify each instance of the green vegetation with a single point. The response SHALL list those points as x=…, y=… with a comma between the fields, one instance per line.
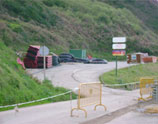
x=29, y=10
x=131, y=74
x=57, y=99
x=141, y=9
x=82, y=24
x=58, y=3
x=15, y=27
x=16, y=86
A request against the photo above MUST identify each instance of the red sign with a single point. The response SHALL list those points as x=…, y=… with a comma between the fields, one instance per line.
x=118, y=52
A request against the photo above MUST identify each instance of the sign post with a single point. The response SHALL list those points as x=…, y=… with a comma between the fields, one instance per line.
x=116, y=67
x=118, y=47
x=44, y=63
x=44, y=51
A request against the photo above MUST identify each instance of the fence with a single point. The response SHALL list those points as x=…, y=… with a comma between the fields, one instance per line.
x=89, y=94
x=146, y=88
x=50, y=97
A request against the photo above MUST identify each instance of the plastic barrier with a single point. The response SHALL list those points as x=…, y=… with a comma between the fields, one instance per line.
x=89, y=94
x=146, y=88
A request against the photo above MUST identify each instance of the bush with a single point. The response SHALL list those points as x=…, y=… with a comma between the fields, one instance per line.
x=104, y=19
x=15, y=27
x=30, y=10
x=6, y=38
x=58, y=3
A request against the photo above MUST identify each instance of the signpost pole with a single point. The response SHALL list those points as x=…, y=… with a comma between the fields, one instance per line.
x=116, y=66
x=118, y=47
x=44, y=64
x=44, y=51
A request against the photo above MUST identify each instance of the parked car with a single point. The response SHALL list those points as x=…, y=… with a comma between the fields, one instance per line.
x=66, y=57
x=82, y=60
x=98, y=61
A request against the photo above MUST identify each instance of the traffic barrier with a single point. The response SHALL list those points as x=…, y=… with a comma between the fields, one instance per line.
x=146, y=88
x=89, y=94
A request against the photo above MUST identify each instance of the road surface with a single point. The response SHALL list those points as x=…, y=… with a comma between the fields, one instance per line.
x=69, y=76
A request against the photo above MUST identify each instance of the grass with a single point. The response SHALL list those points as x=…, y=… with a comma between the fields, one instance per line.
x=57, y=99
x=17, y=87
x=15, y=27
x=85, y=24
x=140, y=9
x=131, y=74
x=30, y=10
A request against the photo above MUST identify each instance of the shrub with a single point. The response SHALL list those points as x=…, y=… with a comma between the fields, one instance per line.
x=58, y=3
x=15, y=27
x=30, y=10
x=104, y=19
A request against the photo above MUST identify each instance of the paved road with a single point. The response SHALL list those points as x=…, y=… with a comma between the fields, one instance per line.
x=136, y=118
x=69, y=76
x=59, y=113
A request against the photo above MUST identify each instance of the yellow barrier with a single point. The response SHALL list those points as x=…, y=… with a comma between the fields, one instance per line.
x=89, y=94
x=146, y=88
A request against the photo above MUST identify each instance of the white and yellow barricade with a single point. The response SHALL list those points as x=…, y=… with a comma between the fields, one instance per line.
x=146, y=88
x=89, y=94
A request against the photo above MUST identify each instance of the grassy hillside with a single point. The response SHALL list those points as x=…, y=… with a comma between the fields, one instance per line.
x=85, y=24
x=16, y=86
x=64, y=25
x=131, y=74
x=145, y=10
